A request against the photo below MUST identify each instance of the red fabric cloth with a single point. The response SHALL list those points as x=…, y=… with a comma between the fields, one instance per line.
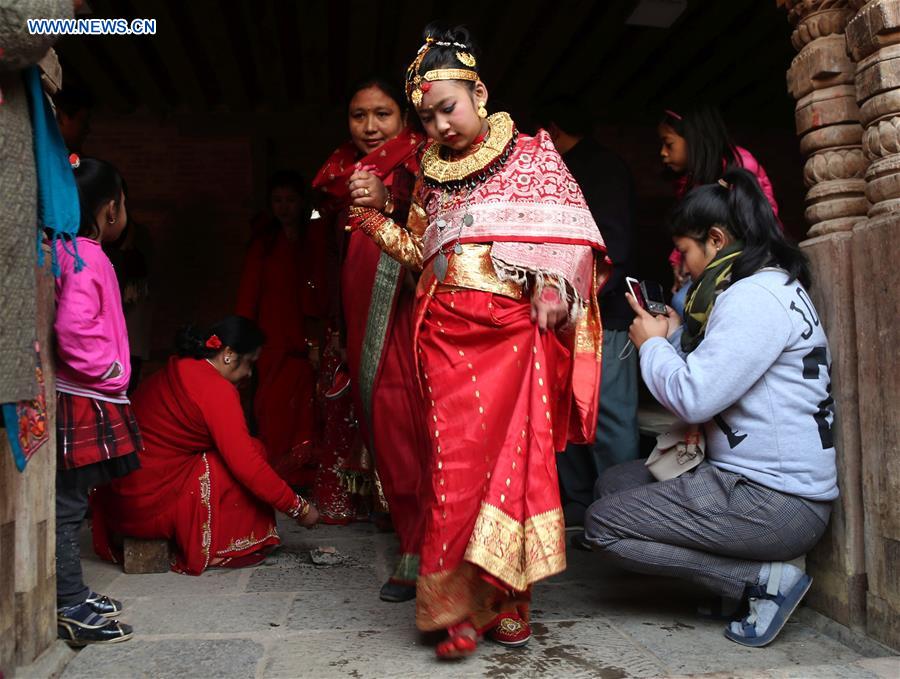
x=397, y=434
x=497, y=415
x=281, y=284
x=204, y=482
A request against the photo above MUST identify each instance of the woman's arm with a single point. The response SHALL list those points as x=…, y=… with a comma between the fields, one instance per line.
x=747, y=332
x=222, y=412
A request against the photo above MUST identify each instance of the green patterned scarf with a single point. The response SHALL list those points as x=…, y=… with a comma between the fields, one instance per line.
x=714, y=280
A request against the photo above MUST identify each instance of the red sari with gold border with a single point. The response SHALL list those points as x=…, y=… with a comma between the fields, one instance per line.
x=204, y=483
x=502, y=397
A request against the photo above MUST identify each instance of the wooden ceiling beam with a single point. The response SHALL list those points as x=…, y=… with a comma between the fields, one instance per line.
x=178, y=64
x=717, y=20
x=76, y=55
x=532, y=64
x=312, y=20
x=596, y=38
x=222, y=49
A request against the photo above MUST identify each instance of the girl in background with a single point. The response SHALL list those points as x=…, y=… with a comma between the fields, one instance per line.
x=281, y=288
x=97, y=434
x=696, y=147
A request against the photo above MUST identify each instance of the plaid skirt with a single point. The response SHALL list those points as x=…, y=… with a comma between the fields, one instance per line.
x=89, y=431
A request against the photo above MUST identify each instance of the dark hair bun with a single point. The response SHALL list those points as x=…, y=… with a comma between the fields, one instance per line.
x=189, y=343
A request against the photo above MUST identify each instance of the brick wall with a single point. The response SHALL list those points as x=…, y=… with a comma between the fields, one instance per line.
x=196, y=183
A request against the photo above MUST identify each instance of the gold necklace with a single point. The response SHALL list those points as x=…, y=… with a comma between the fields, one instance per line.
x=476, y=167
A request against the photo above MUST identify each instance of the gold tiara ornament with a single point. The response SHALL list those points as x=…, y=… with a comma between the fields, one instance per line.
x=417, y=85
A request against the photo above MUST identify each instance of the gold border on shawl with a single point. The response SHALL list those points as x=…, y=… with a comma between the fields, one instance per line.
x=437, y=169
x=518, y=554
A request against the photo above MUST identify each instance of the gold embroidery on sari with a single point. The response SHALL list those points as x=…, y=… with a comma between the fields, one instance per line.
x=206, y=526
x=515, y=553
x=240, y=544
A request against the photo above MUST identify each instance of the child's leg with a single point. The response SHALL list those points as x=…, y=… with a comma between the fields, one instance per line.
x=71, y=506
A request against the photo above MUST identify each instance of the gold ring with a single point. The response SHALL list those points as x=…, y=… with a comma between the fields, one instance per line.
x=366, y=189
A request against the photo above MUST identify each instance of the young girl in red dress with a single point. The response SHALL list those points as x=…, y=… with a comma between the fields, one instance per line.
x=511, y=263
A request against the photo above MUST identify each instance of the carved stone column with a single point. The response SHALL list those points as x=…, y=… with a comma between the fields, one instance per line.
x=873, y=40
x=821, y=78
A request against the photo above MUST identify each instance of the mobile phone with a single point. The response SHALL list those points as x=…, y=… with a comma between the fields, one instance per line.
x=654, y=298
x=634, y=287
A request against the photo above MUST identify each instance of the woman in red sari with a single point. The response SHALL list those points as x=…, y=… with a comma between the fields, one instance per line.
x=204, y=483
x=507, y=337
x=377, y=296
x=281, y=287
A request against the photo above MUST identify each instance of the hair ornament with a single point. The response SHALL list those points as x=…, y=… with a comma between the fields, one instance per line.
x=74, y=161
x=673, y=114
x=466, y=59
x=725, y=185
x=213, y=342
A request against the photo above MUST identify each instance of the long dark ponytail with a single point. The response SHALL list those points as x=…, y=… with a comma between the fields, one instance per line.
x=739, y=205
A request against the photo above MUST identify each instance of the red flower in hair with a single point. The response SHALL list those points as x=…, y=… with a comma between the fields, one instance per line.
x=74, y=160
x=213, y=342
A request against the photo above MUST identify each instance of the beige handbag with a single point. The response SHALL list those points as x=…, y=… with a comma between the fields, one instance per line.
x=678, y=450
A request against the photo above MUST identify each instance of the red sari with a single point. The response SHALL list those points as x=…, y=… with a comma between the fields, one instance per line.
x=502, y=397
x=203, y=483
x=377, y=297
x=281, y=284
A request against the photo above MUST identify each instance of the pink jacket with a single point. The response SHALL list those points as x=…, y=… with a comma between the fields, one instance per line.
x=91, y=337
x=749, y=163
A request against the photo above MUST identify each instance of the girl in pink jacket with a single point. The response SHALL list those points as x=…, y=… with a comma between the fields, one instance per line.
x=696, y=147
x=96, y=432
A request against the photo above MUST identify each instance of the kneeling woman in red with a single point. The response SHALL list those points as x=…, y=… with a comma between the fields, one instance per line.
x=204, y=483
x=506, y=308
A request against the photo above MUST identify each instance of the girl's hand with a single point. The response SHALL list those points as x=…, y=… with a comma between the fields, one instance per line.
x=645, y=325
x=674, y=320
x=367, y=190
x=311, y=518
x=548, y=309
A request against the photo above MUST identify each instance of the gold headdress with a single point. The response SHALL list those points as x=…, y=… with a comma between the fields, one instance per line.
x=417, y=85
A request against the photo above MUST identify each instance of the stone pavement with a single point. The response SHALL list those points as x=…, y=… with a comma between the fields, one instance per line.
x=291, y=618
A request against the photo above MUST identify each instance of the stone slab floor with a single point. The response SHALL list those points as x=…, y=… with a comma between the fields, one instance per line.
x=291, y=618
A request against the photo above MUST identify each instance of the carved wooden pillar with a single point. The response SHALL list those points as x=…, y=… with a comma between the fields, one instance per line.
x=873, y=41
x=821, y=78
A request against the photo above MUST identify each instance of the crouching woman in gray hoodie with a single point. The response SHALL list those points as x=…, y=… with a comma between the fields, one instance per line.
x=750, y=364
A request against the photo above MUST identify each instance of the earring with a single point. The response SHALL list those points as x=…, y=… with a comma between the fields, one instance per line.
x=482, y=111
x=227, y=360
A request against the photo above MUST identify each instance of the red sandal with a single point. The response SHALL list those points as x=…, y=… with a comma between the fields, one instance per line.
x=510, y=631
x=461, y=642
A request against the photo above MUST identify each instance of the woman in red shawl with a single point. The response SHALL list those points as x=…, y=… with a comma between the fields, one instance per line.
x=204, y=483
x=507, y=338
x=377, y=298
x=282, y=285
